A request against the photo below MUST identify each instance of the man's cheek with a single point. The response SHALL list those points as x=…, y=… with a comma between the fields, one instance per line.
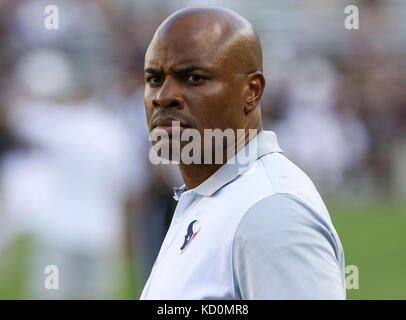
x=210, y=91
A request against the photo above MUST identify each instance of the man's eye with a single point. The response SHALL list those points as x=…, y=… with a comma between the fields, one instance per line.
x=154, y=80
x=194, y=78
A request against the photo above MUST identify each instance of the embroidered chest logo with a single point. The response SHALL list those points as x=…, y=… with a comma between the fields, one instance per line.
x=192, y=231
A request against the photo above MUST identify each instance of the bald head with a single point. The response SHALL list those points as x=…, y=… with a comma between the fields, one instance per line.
x=223, y=32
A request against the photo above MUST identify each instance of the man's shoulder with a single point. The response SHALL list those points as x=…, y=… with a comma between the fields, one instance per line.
x=272, y=194
x=285, y=176
x=269, y=175
x=277, y=214
x=293, y=202
x=273, y=174
x=293, y=198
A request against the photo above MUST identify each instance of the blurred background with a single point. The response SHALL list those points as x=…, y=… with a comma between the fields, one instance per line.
x=76, y=186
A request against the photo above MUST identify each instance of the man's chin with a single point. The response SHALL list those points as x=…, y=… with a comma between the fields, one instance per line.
x=175, y=153
x=166, y=151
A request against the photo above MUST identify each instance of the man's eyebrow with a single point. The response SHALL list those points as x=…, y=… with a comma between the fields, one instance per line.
x=153, y=71
x=189, y=69
x=177, y=71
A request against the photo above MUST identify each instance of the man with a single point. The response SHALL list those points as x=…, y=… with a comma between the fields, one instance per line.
x=257, y=231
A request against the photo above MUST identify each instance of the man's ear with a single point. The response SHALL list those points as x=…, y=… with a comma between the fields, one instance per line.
x=255, y=85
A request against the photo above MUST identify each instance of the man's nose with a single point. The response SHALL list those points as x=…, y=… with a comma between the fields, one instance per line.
x=168, y=95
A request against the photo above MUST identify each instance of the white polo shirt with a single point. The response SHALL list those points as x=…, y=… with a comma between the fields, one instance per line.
x=255, y=232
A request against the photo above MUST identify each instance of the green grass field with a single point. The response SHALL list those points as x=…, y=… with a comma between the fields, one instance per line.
x=373, y=235
x=374, y=239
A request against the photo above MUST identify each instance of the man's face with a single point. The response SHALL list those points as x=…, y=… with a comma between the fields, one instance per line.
x=189, y=77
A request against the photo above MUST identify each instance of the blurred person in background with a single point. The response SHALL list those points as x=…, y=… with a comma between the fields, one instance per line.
x=69, y=190
x=308, y=111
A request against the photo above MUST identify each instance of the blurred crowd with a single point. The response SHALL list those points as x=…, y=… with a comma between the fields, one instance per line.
x=74, y=168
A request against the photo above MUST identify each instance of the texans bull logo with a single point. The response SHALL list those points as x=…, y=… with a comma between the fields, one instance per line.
x=192, y=230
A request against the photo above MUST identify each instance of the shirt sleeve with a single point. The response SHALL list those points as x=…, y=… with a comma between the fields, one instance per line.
x=283, y=249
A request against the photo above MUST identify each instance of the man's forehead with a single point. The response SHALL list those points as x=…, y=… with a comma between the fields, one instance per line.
x=163, y=55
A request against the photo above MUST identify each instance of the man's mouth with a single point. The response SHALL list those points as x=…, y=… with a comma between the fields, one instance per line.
x=169, y=125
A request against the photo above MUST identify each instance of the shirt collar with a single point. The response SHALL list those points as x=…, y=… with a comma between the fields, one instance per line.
x=264, y=143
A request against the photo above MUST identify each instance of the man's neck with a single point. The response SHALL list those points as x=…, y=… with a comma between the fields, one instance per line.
x=195, y=174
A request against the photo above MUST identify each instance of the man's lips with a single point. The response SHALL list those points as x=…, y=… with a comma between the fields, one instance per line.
x=168, y=124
